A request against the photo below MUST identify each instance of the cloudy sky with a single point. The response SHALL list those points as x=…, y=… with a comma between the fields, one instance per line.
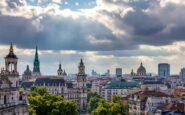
x=105, y=33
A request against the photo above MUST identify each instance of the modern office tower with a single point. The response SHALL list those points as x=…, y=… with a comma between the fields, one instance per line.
x=182, y=73
x=108, y=72
x=163, y=69
x=118, y=72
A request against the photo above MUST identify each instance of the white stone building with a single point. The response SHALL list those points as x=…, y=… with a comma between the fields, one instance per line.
x=138, y=102
x=153, y=85
x=59, y=86
x=117, y=88
x=12, y=100
x=153, y=103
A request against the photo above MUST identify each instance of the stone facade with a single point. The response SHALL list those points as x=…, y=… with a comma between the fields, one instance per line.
x=12, y=100
x=58, y=85
x=81, y=85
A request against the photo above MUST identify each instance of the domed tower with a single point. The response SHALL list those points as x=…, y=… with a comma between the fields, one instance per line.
x=11, y=61
x=27, y=74
x=141, y=71
x=60, y=71
x=11, y=67
x=11, y=100
x=81, y=84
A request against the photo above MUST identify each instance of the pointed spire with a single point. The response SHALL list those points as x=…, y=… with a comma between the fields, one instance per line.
x=81, y=61
x=132, y=72
x=36, y=54
x=141, y=63
x=65, y=73
x=81, y=67
x=60, y=66
x=11, y=48
x=11, y=52
x=27, y=68
x=36, y=67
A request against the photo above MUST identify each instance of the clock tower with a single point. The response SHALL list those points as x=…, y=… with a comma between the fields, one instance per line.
x=81, y=85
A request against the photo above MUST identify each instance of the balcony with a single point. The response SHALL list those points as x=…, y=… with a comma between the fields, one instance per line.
x=9, y=89
x=4, y=106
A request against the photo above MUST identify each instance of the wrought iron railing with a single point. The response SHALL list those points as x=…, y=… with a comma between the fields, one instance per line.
x=3, y=106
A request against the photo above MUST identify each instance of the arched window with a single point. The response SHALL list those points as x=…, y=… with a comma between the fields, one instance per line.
x=5, y=100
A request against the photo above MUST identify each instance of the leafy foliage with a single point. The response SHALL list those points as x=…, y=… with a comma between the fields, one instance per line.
x=93, y=99
x=45, y=103
x=99, y=106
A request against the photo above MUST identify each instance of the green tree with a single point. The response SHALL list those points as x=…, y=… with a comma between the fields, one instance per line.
x=45, y=103
x=116, y=107
x=93, y=99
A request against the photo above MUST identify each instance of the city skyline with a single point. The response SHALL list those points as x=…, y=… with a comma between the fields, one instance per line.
x=36, y=51
x=104, y=33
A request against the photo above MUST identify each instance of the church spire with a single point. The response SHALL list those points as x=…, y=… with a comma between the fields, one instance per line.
x=36, y=65
x=11, y=52
x=141, y=63
x=36, y=54
x=27, y=68
x=11, y=48
x=60, y=67
x=60, y=71
x=81, y=67
x=81, y=61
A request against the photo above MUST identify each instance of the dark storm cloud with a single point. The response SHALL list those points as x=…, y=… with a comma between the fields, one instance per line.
x=155, y=29
x=66, y=33
x=132, y=53
x=57, y=34
x=142, y=24
x=18, y=30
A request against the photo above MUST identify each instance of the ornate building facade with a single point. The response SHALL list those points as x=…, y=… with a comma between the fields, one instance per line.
x=81, y=85
x=57, y=84
x=141, y=71
x=12, y=100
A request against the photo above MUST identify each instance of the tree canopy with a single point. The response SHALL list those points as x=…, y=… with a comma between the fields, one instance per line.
x=45, y=103
x=99, y=106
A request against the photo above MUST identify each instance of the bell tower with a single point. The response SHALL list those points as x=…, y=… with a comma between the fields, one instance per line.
x=11, y=61
x=60, y=71
x=81, y=85
x=10, y=71
x=81, y=76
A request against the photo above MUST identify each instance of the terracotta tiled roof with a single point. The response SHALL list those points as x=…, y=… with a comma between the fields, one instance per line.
x=151, y=93
x=173, y=107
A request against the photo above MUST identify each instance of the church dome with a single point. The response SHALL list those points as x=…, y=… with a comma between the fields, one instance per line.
x=141, y=70
x=27, y=72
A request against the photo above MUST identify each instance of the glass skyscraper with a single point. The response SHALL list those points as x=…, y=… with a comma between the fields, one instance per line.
x=163, y=69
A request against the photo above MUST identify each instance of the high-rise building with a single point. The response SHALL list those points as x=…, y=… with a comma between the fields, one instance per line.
x=108, y=72
x=163, y=69
x=182, y=73
x=118, y=72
